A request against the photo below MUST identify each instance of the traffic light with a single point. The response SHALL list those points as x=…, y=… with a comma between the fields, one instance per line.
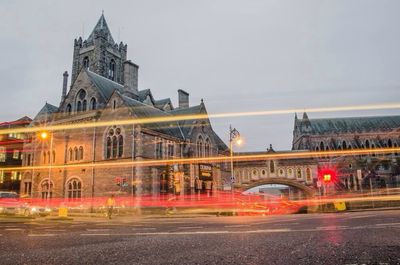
x=118, y=181
x=327, y=178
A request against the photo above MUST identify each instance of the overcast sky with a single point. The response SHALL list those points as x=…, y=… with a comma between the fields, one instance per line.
x=237, y=55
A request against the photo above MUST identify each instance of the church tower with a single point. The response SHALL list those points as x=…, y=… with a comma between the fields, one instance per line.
x=100, y=54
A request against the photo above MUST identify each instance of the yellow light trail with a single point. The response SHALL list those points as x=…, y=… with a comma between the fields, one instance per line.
x=172, y=118
x=214, y=159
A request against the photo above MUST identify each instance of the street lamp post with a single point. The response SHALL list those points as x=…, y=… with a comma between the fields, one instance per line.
x=44, y=136
x=233, y=135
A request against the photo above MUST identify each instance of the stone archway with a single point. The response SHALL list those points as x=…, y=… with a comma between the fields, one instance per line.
x=310, y=192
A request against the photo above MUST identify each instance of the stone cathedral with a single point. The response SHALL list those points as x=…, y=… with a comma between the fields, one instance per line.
x=104, y=87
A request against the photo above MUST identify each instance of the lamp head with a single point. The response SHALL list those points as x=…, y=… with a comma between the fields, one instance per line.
x=44, y=135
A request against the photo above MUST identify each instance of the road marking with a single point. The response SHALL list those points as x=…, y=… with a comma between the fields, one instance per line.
x=39, y=235
x=387, y=224
x=98, y=234
x=357, y=217
x=265, y=231
x=14, y=229
x=97, y=230
x=190, y=227
x=56, y=230
x=286, y=224
x=331, y=227
x=232, y=226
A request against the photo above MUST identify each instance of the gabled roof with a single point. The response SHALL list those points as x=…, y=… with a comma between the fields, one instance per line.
x=186, y=125
x=105, y=86
x=17, y=123
x=46, y=110
x=354, y=124
x=142, y=110
x=143, y=94
x=101, y=26
x=162, y=102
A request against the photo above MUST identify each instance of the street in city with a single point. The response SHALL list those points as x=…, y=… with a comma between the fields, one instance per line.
x=368, y=237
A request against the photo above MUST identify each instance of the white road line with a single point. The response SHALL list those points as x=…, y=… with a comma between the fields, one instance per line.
x=56, y=230
x=387, y=224
x=97, y=230
x=286, y=224
x=14, y=229
x=40, y=235
x=190, y=227
x=331, y=227
x=357, y=217
x=232, y=226
x=97, y=234
x=266, y=231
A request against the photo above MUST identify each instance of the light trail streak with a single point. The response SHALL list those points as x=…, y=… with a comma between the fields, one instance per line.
x=214, y=159
x=173, y=118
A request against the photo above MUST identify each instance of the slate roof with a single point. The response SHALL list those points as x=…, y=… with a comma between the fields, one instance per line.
x=105, y=86
x=144, y=93
x=353, y=124
x=45, y=111
x=143, y=110
x=101, y=26
x=162, y=102
x=187, y=124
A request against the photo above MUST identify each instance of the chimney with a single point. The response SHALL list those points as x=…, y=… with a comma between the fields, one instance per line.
x=64, y=87
x=183, y=99
x=131, y=78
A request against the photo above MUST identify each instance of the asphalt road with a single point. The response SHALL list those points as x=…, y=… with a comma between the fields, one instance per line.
x=343, y=238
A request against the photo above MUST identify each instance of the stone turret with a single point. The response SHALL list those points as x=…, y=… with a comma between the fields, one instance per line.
x=100, y=54
x=64, y=87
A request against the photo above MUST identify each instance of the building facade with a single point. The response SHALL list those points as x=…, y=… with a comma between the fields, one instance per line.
x=353, y=171
x=104, y=88
x=11, y=154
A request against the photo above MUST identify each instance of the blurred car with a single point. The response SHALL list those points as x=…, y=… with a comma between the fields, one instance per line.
x=10, y=203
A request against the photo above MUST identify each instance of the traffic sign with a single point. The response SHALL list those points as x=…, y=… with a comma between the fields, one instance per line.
x=233, y=179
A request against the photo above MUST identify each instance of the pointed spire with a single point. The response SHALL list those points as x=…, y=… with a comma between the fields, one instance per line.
x=305, y=116
x=295, y=116
x=101, y=26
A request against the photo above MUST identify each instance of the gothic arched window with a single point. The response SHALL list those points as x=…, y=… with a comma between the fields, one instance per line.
x=308, y=174
x=271, y=166
x=80, y=153
x=76, y=156
x=86, y=62
x=74, y=188
x=111, y=70
x=84, y=105
x=44, y=157
x=200, y=146
x=69, y=109
x=108, y=152
x=207, y=147
x=321, y=146
x=93, y=104
x=120, y=145
x=79, y=106
x=298, y=173
x=46, y=189
x=71, y=154
x=114, y=143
